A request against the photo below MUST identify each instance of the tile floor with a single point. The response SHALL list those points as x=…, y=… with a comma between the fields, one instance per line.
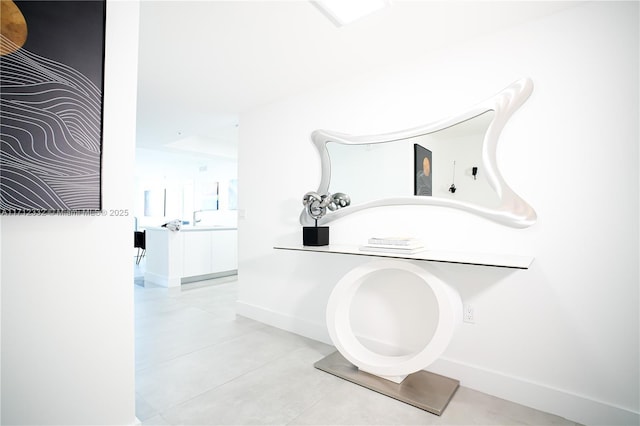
x=197, y=363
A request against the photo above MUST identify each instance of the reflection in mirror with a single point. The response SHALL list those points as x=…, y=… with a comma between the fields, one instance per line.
x=398, y=169
x=451, y=163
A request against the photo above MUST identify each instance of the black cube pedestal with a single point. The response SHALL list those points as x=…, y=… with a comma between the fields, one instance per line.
x=315, y=235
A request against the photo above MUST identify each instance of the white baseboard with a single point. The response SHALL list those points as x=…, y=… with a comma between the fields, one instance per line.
x=562, y=403
x=285, y=322
x=161, y=280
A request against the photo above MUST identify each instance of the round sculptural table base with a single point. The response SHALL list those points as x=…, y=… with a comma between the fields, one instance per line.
x=359, y=364
x=394, y=368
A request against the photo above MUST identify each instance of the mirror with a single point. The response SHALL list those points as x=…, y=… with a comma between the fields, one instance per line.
x=399, y=168
x=450, y=163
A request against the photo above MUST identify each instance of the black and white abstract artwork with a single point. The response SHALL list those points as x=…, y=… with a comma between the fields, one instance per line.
x=51, y=83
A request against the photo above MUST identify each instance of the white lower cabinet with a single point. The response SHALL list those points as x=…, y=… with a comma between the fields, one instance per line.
x=190, y=254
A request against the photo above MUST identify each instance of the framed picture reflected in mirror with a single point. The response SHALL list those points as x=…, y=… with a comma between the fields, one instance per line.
x=422, y=171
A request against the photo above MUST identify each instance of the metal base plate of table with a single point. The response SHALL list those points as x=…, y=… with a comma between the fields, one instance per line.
x=428, y=391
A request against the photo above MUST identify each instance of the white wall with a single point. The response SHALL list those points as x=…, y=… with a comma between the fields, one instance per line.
x=561, y=336
x=67, y=282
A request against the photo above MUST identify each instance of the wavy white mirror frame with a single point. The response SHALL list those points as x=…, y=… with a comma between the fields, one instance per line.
x=512, y=211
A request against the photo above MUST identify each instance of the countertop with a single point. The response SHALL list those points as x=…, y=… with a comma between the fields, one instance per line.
x=195, y=228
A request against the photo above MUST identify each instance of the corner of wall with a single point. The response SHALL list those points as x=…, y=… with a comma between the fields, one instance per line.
x=67, y=298
x=0, y=319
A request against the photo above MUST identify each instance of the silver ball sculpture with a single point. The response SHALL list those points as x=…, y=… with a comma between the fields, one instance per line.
x=317, y=204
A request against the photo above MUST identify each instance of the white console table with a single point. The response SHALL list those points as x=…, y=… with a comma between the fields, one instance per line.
x=467, y=258
x=399, y=377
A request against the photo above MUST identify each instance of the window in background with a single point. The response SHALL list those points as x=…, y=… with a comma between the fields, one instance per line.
x=208, y=196
x=233, y=194
x=174, y=201
x=154, y=202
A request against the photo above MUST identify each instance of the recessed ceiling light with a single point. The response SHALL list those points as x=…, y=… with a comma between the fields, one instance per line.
x=343, y=12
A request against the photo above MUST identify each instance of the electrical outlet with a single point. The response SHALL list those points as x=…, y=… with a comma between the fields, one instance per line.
x=468, y=314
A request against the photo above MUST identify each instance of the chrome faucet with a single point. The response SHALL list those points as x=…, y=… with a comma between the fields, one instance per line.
x=195, y=220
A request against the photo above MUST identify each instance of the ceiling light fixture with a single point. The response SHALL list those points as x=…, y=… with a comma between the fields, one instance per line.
x=343, y=12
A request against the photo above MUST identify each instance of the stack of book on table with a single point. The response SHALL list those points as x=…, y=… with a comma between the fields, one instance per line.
x=402, y=245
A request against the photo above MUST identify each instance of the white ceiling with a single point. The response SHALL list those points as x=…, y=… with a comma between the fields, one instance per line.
x=204, y=62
